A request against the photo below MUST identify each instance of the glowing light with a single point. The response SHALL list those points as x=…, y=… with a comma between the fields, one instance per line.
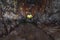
x=29, y=16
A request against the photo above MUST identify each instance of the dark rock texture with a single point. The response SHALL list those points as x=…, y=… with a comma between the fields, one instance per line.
x=47, y=27
x=27, y=32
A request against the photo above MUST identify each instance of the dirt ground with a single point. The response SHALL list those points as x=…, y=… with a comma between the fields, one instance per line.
x=27, y=32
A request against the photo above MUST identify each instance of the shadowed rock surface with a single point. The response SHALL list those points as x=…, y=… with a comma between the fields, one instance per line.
x=48, y=27
x=27, y=32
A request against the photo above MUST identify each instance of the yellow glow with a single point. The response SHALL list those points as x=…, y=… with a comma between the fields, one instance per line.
x=29, y=16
